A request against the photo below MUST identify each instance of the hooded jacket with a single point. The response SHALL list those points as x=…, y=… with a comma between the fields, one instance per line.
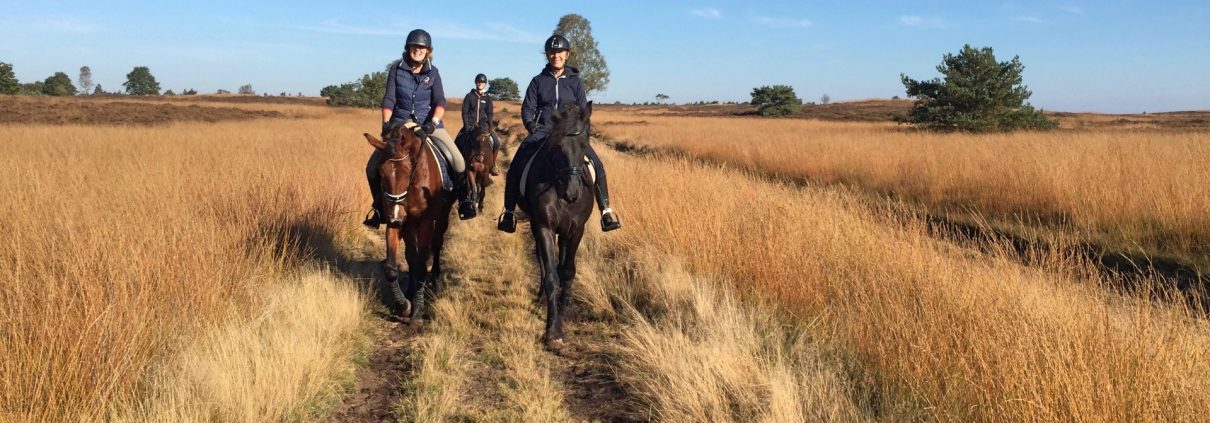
x=476, y=108
x=545, y=92
x=413, y=95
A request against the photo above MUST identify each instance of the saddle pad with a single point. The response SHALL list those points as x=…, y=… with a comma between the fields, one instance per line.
x=443, y=166
x=592, y=172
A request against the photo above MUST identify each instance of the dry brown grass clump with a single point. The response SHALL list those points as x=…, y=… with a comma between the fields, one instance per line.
x=134, y=255
x=1126, y=191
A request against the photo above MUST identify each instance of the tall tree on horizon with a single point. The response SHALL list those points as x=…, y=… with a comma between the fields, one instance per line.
x=584, y=56
x=85, y=80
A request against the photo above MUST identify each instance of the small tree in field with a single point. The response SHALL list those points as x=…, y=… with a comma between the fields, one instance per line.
x=825, y=99
x=140, y=82
x=977, y=94
x=8, y=80
x=503, y=89
x=777, y=100
x=246, y=89
x=99, y=90
x=660, y=98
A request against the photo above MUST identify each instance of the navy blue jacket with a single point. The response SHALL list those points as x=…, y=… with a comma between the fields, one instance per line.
x=413, y=95
x=545, y=92
x=476, y=108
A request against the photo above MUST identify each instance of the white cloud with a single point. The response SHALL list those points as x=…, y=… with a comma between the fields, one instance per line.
x=916, y=21
x=1032, y=19
x=1075, y=10
x=708, y=13
x=447, y=30
x=782, y=22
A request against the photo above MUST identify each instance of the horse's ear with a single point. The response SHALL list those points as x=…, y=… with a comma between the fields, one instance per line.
x=587, y=112
x=377, y=143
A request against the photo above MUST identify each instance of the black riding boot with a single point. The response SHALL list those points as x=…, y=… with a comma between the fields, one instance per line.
x=466, y=207
x=512, y=186
x=374, y=218
x=609, y=219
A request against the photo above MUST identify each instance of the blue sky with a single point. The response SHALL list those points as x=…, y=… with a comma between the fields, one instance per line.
x=1109, y=56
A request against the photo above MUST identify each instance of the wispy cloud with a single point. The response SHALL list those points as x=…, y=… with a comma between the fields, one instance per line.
x=785, y=23
x=1075, y=10
x=447, y=30
x=59, y=25
x=708, y=13
x=1032, y=19
x=917, y=21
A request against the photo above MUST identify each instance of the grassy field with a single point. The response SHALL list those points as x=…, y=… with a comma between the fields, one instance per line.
x=921, y=329
x=198, y=271
x=166, y=271
x=1141, y=192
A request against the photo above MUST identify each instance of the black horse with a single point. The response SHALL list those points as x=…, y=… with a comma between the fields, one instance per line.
x=558, y=196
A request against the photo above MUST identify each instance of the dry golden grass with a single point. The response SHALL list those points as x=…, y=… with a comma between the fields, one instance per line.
x=1126, y=190
x=148, y=267
x=925, y=331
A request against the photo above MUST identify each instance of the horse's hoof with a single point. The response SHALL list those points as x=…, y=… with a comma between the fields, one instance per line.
x=554, y=345
x=405, y=308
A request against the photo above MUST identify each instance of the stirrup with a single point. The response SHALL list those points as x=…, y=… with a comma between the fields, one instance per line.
x=372, y=220
x=609, y=221
x=507, y=222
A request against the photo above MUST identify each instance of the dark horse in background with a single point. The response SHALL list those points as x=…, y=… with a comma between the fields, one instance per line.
x=479, y=149
x=417, y=210
x=558, y=196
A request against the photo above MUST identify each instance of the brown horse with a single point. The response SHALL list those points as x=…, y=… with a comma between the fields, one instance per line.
x=417, y=210
x=558, y=196
x=480, y=157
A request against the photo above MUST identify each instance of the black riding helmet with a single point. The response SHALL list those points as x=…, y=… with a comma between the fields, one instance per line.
x=557, y=42
x=480, y=78
x=419, y=37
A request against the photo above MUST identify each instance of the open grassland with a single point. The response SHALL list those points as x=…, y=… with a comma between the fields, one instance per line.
x=1137, y=192
x=177, y=272
x=921, y=330
x=168, y=272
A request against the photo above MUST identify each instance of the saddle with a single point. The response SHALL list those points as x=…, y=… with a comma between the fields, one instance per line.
x=443, y=164
x=592, y=171
x=443, y=158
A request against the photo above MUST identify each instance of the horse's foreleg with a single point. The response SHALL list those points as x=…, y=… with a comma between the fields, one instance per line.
x=418, y=246
x=568, y=245
x=391, y=270
x=544, y=243
x=472, y=186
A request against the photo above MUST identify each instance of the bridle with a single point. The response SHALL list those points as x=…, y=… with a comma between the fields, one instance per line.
x=397, y=199
x=574, y=169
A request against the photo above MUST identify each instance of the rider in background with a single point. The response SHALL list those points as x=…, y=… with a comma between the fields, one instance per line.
x=557, y=83
x=476, y=108
x=414, y=92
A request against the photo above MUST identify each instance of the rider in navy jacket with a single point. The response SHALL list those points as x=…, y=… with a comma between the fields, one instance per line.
x=414, y=92
x=556, y=84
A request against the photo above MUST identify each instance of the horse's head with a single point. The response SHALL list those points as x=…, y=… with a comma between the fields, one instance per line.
x=483, y=136
x=569, y=135
x=402, y=146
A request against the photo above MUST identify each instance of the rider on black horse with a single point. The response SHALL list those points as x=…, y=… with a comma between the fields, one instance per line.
x=557, y=83
x=477, y=108
x=414, y=92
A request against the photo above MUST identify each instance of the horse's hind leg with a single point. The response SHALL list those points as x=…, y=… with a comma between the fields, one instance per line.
x=443, y=224
x=549, y=292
